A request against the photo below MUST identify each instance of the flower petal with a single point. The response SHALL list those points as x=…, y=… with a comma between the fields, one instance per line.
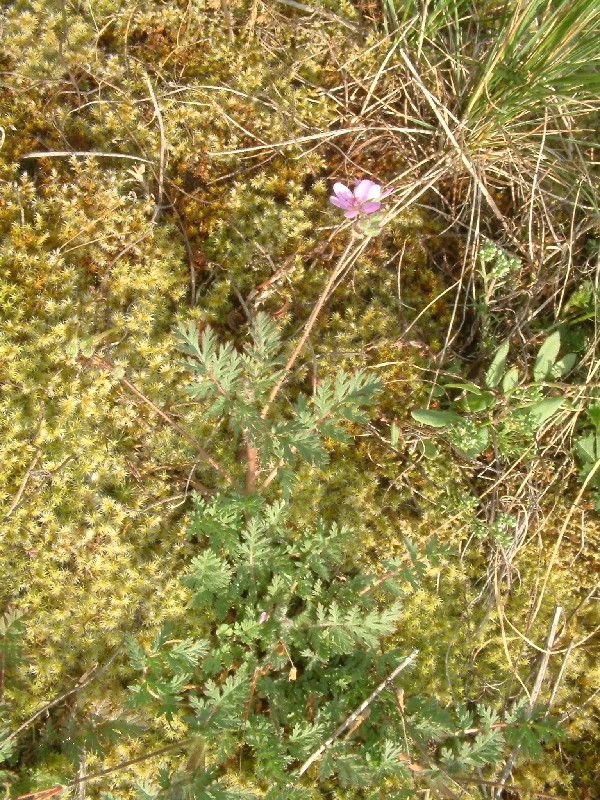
x=341, y=203
x=364, y=191
x=385, y=193
x=370, y=207
x=374, y=192
x=343, y=192
x=352, y=212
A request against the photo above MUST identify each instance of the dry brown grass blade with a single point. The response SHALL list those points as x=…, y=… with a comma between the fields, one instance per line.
x=435, y=106
x=560, y=537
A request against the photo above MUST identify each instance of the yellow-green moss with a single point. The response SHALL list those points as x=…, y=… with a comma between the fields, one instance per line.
x=92, y=544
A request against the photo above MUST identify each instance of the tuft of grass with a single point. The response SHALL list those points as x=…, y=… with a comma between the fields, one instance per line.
x=543, y=60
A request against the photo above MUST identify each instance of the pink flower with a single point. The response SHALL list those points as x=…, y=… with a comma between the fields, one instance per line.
x=363, y=200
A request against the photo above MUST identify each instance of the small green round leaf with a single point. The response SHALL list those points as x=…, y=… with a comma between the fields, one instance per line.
x=427, y=449
x=72, y=347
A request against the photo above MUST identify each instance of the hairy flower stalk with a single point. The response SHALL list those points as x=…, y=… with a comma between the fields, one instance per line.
x=362, y=203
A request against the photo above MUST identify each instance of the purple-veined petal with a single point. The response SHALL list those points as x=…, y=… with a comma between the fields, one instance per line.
x=370, y=207
x=343, y=192
x=364, y=190
x=352, y=212
x=342, y=203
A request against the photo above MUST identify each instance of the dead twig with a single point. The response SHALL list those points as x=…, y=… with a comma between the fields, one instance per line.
x=84, y=681
x=357, y=713
x=103, y=364
x=227, y=18
x=534, y=692
x=23, y=484
x=20, y=500
x=251, y=466
x=560, y=537
x=42, y=795
x=81, y=154
x=466, y=161
x=513, y=787
x=347, y=257
x=163, y=147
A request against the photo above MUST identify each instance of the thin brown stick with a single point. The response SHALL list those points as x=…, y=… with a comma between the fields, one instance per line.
x=560, y=537
x=110, y=770
x=188, y=437
x=48, y=477
x=23, y=484
x=81, y=774
x=163, y=146
x=251, y=467
x=258, y=671
x=102, y=363
x=62, y=41
x=227, y=18
x=120, y=255
x=578, y=709
x=255, y=675
x=357, y=713
x=534, y=692
x=41, y=795
x=546, y=657
x=513, y=787
x=94, y=776
x=339, y=268
x=270, y=477
x=81, y=154
x=377, y=583
x=253, y=17
x=84, y=681
x=3, y=665
x=316, y=136
x=559, y=678
x=433, y=103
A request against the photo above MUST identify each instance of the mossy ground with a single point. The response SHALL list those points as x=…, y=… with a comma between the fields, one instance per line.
x=96, y=486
